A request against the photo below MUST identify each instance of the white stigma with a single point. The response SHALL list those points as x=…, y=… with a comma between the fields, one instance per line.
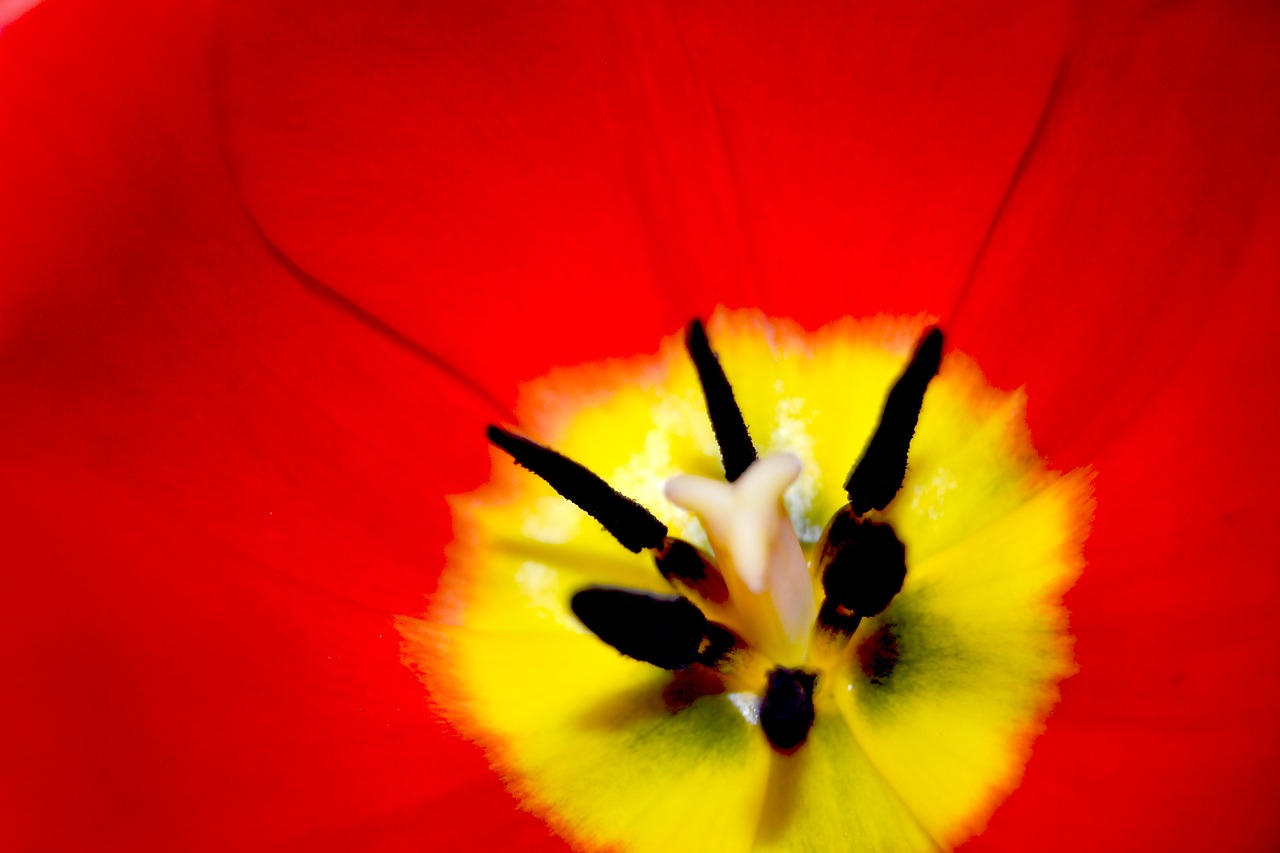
x=757, y=551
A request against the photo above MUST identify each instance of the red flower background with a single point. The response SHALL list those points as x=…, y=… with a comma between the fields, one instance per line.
x=269, y=266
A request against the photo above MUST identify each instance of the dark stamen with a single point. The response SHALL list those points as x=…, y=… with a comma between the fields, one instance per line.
x=838, y=619
x=629, y=522
x=736, y=449
x=786, y=712
x=684, y=565
x=665, y=630
x=717, y=644
x=878, y=476
x=878, y=655
x=865, y=565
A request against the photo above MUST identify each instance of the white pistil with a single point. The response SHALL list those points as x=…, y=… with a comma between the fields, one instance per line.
x=758, y=553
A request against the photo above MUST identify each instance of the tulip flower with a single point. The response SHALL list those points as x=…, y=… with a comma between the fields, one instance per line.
x=270, y=268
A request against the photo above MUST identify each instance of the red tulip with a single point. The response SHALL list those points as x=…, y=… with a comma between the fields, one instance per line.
x=269, y=267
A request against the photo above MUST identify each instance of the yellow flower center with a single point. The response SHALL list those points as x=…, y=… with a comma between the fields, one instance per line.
x=922, y=713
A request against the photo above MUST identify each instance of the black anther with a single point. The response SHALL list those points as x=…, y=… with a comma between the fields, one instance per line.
x=684, y=565
x=786, y=712
x=629, y=522
x=864, y=566
x=736, y=448
x=879, y=473
x=665, y=630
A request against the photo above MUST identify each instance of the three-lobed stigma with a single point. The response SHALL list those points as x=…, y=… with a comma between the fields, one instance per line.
x=756, y=605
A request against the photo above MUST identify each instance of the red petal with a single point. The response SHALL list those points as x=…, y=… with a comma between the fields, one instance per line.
x=1130, y=285
x=560, y=179
x=1128, y=221
x=1166, y=738
x=218, y=489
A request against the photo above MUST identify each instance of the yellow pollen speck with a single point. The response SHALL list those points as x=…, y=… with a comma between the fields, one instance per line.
x=930, y=497
x=552, y=521
x=541, y=587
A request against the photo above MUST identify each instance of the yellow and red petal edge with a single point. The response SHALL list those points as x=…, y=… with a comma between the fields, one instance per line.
x=603, y=747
